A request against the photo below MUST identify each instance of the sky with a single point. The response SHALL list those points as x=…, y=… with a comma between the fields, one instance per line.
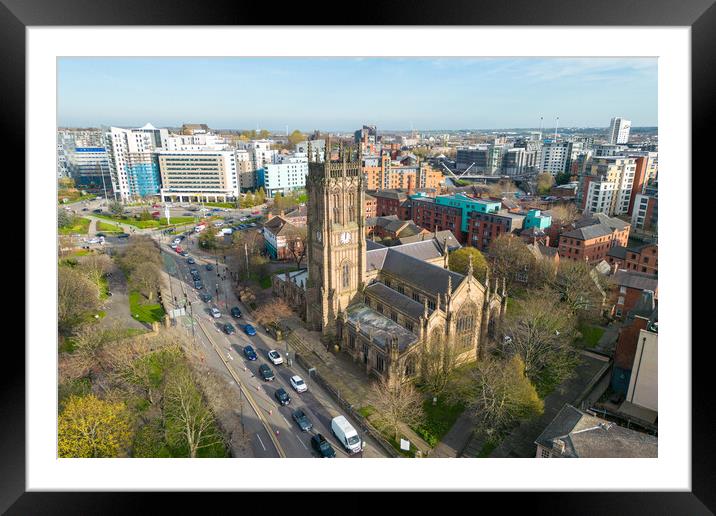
x=342, y=94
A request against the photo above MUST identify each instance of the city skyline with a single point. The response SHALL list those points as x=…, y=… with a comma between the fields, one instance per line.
x=273, y=93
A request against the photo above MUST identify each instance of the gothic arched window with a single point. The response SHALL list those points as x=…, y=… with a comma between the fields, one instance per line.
x=336, y=209
x=346, y=275
x=351, y=207
x=465, y=326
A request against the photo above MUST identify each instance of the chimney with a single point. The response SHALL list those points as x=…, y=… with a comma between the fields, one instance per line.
x=410, y=185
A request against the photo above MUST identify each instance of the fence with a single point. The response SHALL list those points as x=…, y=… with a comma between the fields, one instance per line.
x=363, y=423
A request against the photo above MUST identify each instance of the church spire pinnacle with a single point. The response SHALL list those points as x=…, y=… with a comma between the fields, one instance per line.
x=469, y=265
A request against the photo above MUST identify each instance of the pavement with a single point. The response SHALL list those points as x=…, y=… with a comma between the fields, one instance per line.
x=117, y=305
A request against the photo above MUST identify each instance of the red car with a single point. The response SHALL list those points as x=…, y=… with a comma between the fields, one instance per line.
x=179, y=250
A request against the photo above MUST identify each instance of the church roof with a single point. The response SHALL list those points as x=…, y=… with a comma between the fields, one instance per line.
x=379, y=327
x=394, y=299
x=426, y=276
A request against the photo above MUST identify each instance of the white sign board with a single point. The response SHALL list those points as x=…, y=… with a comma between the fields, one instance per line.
x=404, y=444
x=166, y=213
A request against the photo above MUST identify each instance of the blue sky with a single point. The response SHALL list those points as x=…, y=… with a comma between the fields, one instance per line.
x=341, y=94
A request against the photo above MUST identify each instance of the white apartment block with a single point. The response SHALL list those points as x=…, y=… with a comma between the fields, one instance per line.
x=619, y=130
x=198, y=175
x=133, y=163
x=609, y=191
x=260, y=152
x=288, y=174
x=556, y=157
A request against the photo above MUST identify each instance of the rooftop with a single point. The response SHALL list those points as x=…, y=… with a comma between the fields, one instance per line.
x=380, y=328
x=636, y=280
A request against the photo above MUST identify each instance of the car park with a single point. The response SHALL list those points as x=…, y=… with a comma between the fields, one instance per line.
x=215, y=313
x=301, y=419
x=250, y=353
x=206, y=297
x=322, y=447
x=266, y=373
x=229, y=329
x=298, y=384
x=249, y=330
x=236, y=312
x=282, y=396
x=275, y=357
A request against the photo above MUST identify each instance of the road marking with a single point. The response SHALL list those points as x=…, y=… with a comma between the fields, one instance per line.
x=262, y=443
x=289, y=424
x=300, y=441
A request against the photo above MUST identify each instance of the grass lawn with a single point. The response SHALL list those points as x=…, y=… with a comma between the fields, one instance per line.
x=144, y=311
x=108, y=228
x=81, y=226
x=439, y=419
x=590, y=335
x=220, y=204
x=148, y=224
x=72, y=196
x=104, y=289
x=488, y=447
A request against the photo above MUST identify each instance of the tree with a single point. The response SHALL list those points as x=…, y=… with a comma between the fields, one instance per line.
x=190, y=422
x=144, y=215
x=510, y=259
x=91, y=427
x=296, y=137
x=563, y=214
x=95, y=267
x=64, y=219
x=248, y=201
x=260, y=196
x=263, y=134
x=207, y=239
x=272, y=312
x=396, y=405
x=544, y=183
x=498, y=394
x=296, y=244
x=437, y=360
x=541, y=331
x=76, y=297
x=116, y=208
x=562, y=178
x=459, y=261
x=142, y=249
x=146, y=279
x=580, y=288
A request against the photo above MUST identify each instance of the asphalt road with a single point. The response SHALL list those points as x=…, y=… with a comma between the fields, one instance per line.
x=315, y=402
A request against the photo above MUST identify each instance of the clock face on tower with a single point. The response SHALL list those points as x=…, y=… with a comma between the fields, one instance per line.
x=345, y=238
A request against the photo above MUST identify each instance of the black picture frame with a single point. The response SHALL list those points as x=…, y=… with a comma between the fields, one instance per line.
x=700, y=15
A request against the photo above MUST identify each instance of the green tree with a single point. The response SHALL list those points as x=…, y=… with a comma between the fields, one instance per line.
x=207, y=239
x=296, y=137
x=77, y=296
x=260, y=196
x=544, y=183
x=562, y=178
x=64, y=219
x=116, y=208
x=263, y=134
x=91, y=427
x=459, y=260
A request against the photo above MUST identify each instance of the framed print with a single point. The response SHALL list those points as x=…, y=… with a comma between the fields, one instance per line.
x=426, y=237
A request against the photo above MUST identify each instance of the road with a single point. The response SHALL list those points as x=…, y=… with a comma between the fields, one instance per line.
x=224, y=352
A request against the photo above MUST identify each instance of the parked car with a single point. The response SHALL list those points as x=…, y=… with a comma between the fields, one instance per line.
x=173, y=245
x=215, y=313
x=123, y=235
x=322, y=446
x=346, y=434
x=97, y=211
x=249, y=330
x=250, y=353
x=298, y=384
x=282, y=396
x=190, y=261
x=301, y=419
x=236, y=312
x=198, y=285
x=184, y=253
x=266, y=373
x=209, y=267
x=206, y=297
x=275, y=357
x=229, y=329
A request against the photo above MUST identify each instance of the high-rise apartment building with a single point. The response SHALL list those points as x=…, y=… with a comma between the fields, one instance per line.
x=202, y=175
x=288, y=173
x=133, y=160
x=608, y=186
x=556, y=157
x=619, y=130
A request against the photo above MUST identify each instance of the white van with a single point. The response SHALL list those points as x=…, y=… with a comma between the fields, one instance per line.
x=346, y=434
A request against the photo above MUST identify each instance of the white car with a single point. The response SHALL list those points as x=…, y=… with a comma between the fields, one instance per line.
x=275, y=357
x=298, y=384
x=215, y=312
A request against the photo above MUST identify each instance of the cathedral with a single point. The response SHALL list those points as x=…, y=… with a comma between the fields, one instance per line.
x=383, y=305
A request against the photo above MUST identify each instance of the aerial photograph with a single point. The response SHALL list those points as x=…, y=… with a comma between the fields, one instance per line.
x=357, y=257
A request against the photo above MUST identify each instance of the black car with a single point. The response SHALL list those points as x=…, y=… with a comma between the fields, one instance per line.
x=266, y=373
x=282, y=396
x=198, y=285
x=209, y=267
x=323, y=447
x=206, y=297
x=123, y=235
x=97, y=211
x=235, y=312
x=194, y=272
x=301, y=419
x=229, y=329
x=190, y=261
x=250, y=353
x=101, y=235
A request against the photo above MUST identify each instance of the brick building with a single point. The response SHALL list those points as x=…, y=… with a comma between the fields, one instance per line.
x=592, y=238
x=627, y=290
x=483, y=228
x=643, y=258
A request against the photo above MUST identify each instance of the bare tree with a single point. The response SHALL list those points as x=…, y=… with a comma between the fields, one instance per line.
x=146, y=279
x=95, y=266
x=541, y=331
x=296, y=244
x=190, y=421
x=396, y=405
x=272, y=312
x=510, y=259
x=437, y=360
x=580, y=287
x=564, y=214
x=76, y=297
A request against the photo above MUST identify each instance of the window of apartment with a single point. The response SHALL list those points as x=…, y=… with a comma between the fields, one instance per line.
x=622, y=290
x=546, y=454
x=620, y=301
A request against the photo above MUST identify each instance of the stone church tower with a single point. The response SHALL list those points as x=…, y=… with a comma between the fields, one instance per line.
x=336, y=235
